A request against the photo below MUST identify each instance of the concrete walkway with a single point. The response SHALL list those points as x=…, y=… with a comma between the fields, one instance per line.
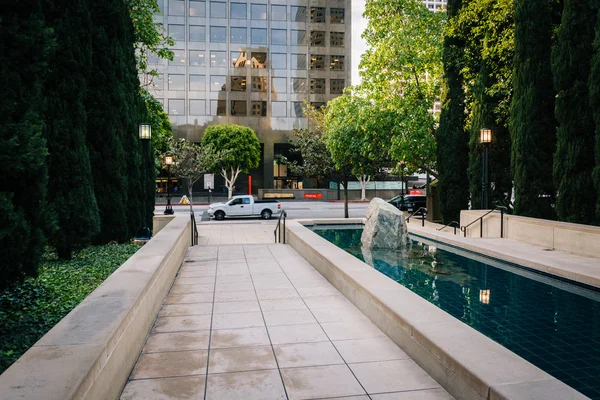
x=259, y=322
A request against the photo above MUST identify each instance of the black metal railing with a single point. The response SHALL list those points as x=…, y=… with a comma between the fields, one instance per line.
x=480, y=219
x=423, y=215
x=193, y=230
x=282, y=216
x=453, y=224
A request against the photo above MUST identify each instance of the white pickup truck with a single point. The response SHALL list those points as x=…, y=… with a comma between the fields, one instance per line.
x=244, y=206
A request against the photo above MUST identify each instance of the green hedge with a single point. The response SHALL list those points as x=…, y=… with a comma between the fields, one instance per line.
x=30, y=309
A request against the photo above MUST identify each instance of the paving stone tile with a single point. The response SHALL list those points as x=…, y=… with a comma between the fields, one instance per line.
x=195, y=288
x=196, y=273
x=234, y=278
x=177, y=341
x=320, y=382
x=246, y=295
x=255, y=385
x=338, y=314
x=228, y=307
x=174, y=310
x=185, y=388
x=232, y=270
x=427, y=394
x=319, y=291
x=238, y=320
x=327, y=302
x=369, y=350
x=351, y=330
x=296, y=334
x=273, y=294
x=275, y=284
x=190, y=298
x=288, y=317
x=178, y=363
x=234, y=286
x=241, y=359
x=183, y=323
x=193, y=281
x=282, y=304
x=306, y=354
x=240, y=337
x=264, y=269
x=392, y=376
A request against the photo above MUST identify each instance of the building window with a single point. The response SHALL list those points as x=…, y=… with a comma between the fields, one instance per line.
x=298, y=38
x=259, y=36
x=176, y=82
x=298, y=85
x=317, y=38
x=317, y=14
x=278, y=109
x=197, y=33
x=297, y=109
x=298, y=61
x=176, y=107
x=238, y=108
x=178, y=57
x=217, y=34
x=259, y=60
x=154, y=59
x=278, y=60
x=317, y=86
x=197, y=82
x=218, y=83
x=278, y=13
x=197, y=8
x=259, y=83
x=239, y=35
x=238, y=11
x=238, y=59
x=278, y=85
x=337, y=39
x=197, y=58
x=176, y=7
x=218, y=9
x=278, y=36
x=317, y=104
x=298, y=14
x=259, y=108
x=218, y=107
x=177, y=32
x=259, y=11
x=218, y=58
x=336, y=63
x=156, y=82
x=317, y=62
x=238, y=83
x=336, y=86
x=198, y=107
x=336, y=15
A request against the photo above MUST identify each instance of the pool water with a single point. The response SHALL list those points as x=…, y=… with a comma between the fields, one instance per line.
x=550, y=323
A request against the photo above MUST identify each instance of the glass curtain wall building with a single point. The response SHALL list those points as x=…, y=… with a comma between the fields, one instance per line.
x=252, y=63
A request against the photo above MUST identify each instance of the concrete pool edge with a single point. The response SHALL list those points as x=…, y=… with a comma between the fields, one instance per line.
x=465, y=362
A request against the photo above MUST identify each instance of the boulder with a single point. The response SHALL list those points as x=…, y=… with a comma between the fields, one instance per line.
x=385, y=227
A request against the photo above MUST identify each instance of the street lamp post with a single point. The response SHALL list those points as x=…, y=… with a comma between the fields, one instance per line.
x=485, y=139
x=145, y=134
x=168, y=162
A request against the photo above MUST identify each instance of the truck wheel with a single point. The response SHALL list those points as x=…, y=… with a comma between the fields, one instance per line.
x=266, y=214
x=219, y=215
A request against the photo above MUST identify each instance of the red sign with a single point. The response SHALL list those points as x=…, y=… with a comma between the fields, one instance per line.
x=415, y=192
x=313, y=195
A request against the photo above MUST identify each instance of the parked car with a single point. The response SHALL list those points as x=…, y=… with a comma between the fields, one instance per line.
x=244, y=206
x=410, y=203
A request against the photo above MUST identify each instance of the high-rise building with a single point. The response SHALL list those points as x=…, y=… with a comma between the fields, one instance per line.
x=252, y=63
x=435, y=5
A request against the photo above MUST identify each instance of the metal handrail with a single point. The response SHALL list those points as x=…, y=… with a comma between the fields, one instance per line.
x=480, y=219
x=423, y=215
x=454, y=224
x=193, y=230
x=283, y=216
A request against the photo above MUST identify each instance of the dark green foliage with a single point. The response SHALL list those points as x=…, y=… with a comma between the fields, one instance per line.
x=574, y=157
x=452, y=140
x=29, y=310
x=70, y=187
x=594, y=88
x=26, y=219
x=532, y=123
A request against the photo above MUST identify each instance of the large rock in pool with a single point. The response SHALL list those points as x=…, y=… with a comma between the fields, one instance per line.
x=385, y=227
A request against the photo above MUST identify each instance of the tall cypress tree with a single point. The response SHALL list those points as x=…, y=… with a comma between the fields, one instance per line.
x=532, y=123
x=574, y=157
x=594, y=89
x=452, y=140
x=70, y=188
x=26, y=219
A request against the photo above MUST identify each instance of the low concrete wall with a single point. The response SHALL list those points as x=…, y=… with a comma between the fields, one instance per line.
x=160, y=221
x=89, y=354
x=571, y=238
x=465, y=362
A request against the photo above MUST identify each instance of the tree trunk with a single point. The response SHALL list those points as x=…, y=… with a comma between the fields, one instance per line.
x=346, y=198
x=364, y=180
x=229, y=182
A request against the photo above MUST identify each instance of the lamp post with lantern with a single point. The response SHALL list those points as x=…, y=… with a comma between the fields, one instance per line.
x=485, y=137
x=169, y=162
x=145, y=135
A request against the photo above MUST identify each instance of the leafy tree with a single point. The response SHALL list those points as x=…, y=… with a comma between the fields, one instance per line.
x=70, y=187
x=574, y=157
x=26, y=219
x=316, y=159
x=452, y=139
x=161, y=127
x=241, y=147
x=594, y=89
x=532, y=122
